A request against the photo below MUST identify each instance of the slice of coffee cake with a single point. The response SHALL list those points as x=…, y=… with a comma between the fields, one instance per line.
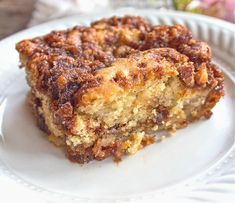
x=103, y=90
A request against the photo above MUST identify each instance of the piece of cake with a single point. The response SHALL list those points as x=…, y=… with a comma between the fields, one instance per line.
x=103, y=90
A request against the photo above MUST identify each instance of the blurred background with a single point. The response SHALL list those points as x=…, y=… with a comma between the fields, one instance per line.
x=16, y=15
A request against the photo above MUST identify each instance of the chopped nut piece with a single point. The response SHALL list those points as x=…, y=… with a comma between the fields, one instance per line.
x=201, y=77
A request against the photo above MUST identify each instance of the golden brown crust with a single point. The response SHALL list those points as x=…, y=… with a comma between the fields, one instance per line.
x=75, y=66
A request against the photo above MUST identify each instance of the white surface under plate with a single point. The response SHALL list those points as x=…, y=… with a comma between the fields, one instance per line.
x=200, y=159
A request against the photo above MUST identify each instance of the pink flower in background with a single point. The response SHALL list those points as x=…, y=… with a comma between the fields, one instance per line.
x=208, y=3
x=230, y=4
x=224, y=9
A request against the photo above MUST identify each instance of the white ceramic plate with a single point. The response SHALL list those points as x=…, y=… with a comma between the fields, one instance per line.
x=199, y=159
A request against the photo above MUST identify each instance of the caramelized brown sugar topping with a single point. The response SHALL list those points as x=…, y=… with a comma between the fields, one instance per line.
x=64, y=63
